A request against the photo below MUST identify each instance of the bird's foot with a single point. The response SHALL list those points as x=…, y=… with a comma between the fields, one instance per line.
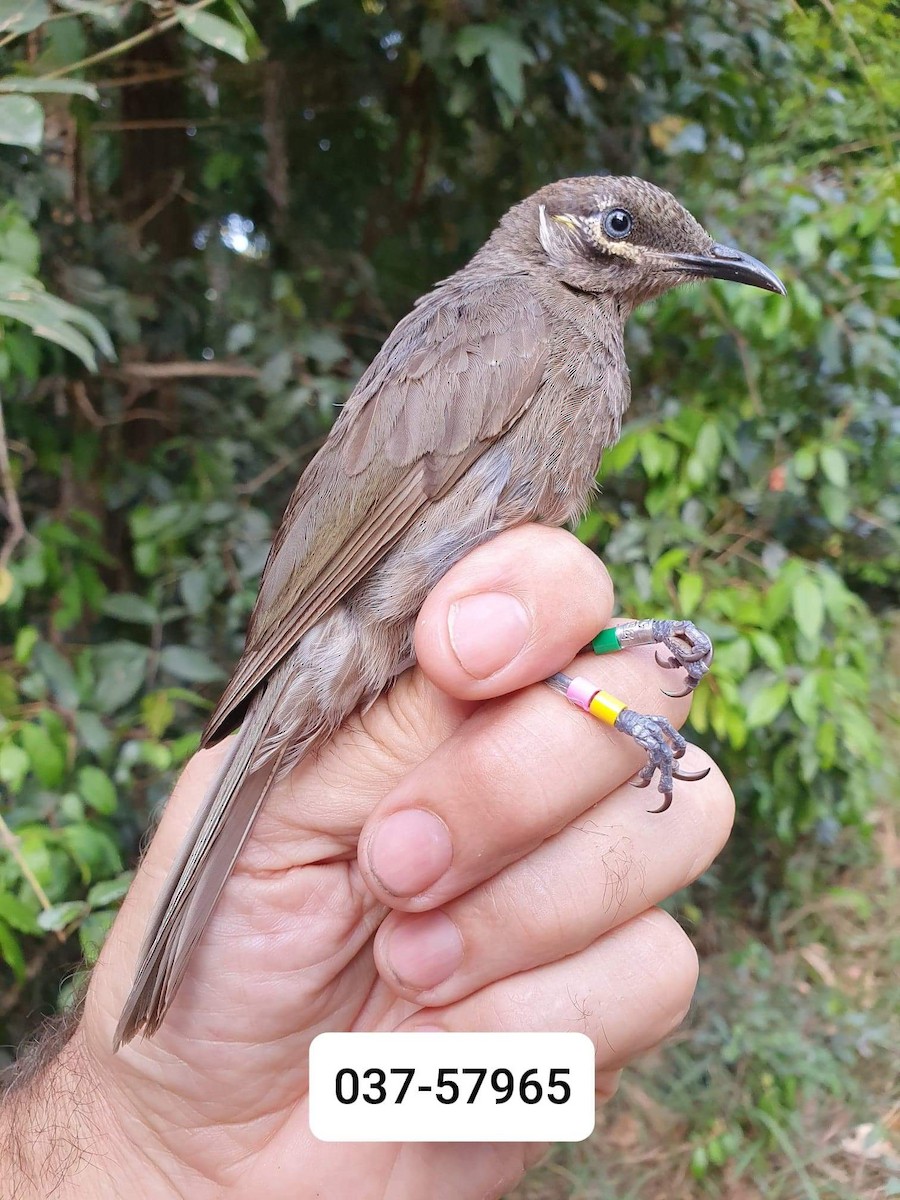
x=657, y=735
x=664, y=746
x=688, y=647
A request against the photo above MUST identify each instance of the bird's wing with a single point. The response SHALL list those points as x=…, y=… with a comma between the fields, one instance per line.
x=453, y=376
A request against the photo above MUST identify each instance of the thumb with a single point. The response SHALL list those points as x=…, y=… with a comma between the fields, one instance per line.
x=512, y=612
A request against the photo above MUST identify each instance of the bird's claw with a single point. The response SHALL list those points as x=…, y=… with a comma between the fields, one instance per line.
x=664, y=745
x=688, y=647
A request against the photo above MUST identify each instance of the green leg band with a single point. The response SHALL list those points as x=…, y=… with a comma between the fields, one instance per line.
x=606, y=641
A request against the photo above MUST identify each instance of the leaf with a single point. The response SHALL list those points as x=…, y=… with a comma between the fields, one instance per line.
x=808, y=607
x=292, y=7
x=324, y=346
x=19, y=244
x=690, y=590
x=58, y=674
x=195, y=591
x=658, y=455
x=58, y=916
x=709, y=442
x=109, y=891
x=22, y=16
x=505, y=53
x=92, y=849
x=97, y=789
x=26, y=640
x=47, y=759
x=836, y=503
x=156, y=755
x=193, y=666
x=767, y=704
x=804, y=463
x=157, y=712
x=126, y=606
x=92, y=933
x=807, y=239
x=182, y=748
x=61, y=335
x=215, y=32
x=11, y=952
x=92, y=733
x=102, y=11
x=21, y=122
x=17, y=914
x=121, y=668
x=84, y=320
x=768, y=650
x=71, y=807
x=700, y=710
x=834, y=466
x=14, y=764
x=30, y=84
x=805, y=699
x=55, y=321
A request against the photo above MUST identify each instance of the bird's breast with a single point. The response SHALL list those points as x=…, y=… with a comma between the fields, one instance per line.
x=576, y=414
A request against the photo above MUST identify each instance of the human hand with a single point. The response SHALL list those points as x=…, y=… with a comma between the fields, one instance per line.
x=466, y=855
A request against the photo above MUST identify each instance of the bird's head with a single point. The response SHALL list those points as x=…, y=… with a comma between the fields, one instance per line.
x=625, y=237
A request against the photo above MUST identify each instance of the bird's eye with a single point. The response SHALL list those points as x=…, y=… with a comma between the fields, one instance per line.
x=618, y=223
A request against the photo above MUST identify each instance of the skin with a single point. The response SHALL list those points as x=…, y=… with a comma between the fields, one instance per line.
x=468, y=856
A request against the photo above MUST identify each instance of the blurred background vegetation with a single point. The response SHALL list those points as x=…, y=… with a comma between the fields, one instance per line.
x=210, y=216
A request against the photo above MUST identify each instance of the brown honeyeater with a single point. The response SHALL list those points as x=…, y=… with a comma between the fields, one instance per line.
x=488, y=406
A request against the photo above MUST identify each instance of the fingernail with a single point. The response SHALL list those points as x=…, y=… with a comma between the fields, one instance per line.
x=425, y=950
x=487, y=631
x=409, y=851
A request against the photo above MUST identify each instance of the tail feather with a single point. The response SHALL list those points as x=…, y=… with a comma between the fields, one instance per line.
x=199, y=874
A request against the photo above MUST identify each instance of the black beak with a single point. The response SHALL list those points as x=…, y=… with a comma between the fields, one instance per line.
x=722, y=262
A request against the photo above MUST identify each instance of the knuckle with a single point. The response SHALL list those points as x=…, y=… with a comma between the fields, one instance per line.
x=516, y=781
x=485, y=765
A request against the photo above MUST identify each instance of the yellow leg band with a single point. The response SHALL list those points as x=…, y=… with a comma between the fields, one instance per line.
x=605, y=707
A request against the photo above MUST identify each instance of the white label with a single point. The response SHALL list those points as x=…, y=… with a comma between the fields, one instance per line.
x=452, y=1087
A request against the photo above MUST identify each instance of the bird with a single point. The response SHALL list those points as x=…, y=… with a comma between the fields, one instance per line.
x=488, y=406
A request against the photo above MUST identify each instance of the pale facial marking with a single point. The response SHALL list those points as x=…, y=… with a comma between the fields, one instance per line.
x=619, y=246
x=558, y=235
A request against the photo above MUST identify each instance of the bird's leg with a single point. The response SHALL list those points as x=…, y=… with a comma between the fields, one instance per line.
x=662, y=741
x=688, y=647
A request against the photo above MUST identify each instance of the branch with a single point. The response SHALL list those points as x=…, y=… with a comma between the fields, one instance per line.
x=159, y=204
x=184, y=370
x=17, y=530
x=82, y=400
x=128, y=44
x=11, y=842
x=291, y=458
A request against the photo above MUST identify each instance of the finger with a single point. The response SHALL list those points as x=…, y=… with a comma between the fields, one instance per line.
x=518, y=771
x=568, y=592
x=512, y=612
x=607, y=867
x=627, y=992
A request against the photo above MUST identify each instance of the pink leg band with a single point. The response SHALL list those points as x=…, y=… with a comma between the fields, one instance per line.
x=581, y=692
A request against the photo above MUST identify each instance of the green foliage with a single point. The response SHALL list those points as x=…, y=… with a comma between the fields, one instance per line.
x=24, y=299
x=766, y=1080
x=230, y=285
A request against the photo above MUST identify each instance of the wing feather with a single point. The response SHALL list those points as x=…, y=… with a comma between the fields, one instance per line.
x=454, y=375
